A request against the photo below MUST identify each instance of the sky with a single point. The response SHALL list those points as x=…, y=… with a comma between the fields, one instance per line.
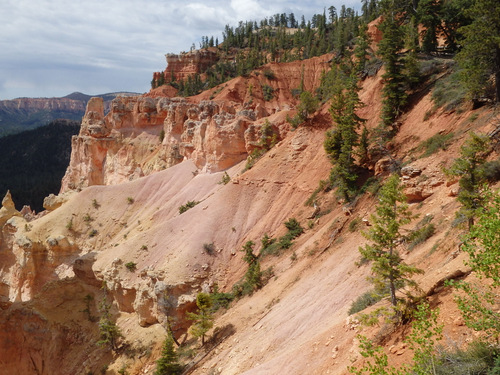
x=51, y=48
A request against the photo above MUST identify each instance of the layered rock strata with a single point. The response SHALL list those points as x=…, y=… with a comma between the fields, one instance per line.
x=142, y=135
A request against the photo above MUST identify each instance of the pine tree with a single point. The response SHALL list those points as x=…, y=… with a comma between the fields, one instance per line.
x=480, y=55
x=388, y=268
x=345, y=103
x=168, y=364
x=394, y=91
x=469, y=167
x=110, y=333
x=361, y=50
x=203, y=320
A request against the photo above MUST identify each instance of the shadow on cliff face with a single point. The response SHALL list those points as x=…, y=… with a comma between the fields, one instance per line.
x=54, y=333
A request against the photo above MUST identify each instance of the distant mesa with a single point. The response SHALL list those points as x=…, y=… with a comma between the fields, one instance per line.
x=22, y=114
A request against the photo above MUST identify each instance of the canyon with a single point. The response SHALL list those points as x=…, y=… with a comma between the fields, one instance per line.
x=28, y=113
x=130, y=171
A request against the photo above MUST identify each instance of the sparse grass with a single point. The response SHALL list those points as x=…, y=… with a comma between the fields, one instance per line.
x=428, y=115
x=449, y=92
x=435, y=143
x=131, y=266
x=363, y=301
x=354, y=224
x=473, y=117
x=321, y=187
x=478, y=358
x=87, y=218
x=187, y=206
x=254, y=156
x=423, y=231
x=459, y=221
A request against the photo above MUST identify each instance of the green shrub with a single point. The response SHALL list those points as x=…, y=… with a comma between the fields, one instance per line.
x=131, y=266
x=294, y=227
x=225, y=179
x=272, y=247
x=187, y=206
x=130, y=200
x=69, y=224
x=285, y=242
x=95, y=204
x=267, y=92
x=93, y=233
x=363, y=301
x=435, y=143
x=220, y=299
x=266, y=241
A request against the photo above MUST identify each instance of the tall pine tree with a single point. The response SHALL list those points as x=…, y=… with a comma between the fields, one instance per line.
x=480, y=55
x=388, y=268
x=168, y=364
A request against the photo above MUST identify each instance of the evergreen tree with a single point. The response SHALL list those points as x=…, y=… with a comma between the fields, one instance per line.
x=168, y=364
x=480, y=55
x=203, y=320
x=108, y=330
x=411, y=68
x=469, y=167
x=428, y=12
x=394, y=91
x=345, y=103
x=388, y=268
x=361, y=50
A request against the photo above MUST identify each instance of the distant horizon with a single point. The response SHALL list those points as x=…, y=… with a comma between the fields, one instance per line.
x=52, y=48
x=75, y=92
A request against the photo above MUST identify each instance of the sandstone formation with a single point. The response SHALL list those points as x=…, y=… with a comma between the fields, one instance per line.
x=186, y=64
x=117, y=223
x=126, y=144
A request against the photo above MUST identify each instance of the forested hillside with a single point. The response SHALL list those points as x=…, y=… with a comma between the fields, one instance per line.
x=32, y=163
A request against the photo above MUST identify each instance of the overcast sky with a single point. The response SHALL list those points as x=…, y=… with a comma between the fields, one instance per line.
x=51, y=48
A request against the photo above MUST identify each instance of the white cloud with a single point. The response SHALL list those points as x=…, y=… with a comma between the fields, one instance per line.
x=53, y=47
